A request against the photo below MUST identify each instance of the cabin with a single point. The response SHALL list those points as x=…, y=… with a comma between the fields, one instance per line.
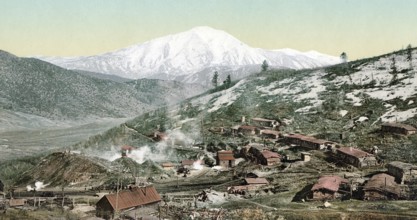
x=403, y=172
x=187, y=163
x=158, y=136
x=398, y=128
x=256, y=181
x=305, y=156
x=247, y=130
x=168, y=166
x=17, y=202
x=383, y=187
x=356, y=157
x=125, y=150
x=126, y=200
x=269, y=134
x=329, y=187
x=263, y=122
x=307, y=141
x=265, y=157
x=225, y=159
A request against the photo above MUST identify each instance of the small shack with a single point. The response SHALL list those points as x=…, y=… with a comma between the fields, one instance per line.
x=356, y=157
x=305, y=156
x=329, y=187
x=133, y=198
x=125, y=150
x=398, y=128
x=269, y=134
x=382, y=187
x=168, y=166
x=17, y=202
x=256, y=181
x=247, y=130
x=225, y=159
x=403, y=172
x=263, y=122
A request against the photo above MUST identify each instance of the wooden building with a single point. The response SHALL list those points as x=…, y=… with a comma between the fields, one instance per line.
x=132, y=198
x=308, y=141
x=356, y=157
x=263, y=122
x=225, y=159
x=398, y=128
x=329, y=187
x=256, y=181
x=247, y=130
x=403, y=172
x=305, y=156
x=168, y=166
x=382, y=187
x=264, y=157
x=125, y=150
x=269, y=134
x=17, y=202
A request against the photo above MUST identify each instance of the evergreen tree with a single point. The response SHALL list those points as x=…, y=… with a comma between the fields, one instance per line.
x=228, y=81
x=265, y=66
x=410, y=55
x=215, y=79
x=393, y=65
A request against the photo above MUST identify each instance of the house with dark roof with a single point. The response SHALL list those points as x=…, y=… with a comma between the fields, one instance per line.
x=329, y=187
x=403, y=172
x=133, y=198
x=383, y=187
x=356, y=157
x=398, y=128
x=225, y=159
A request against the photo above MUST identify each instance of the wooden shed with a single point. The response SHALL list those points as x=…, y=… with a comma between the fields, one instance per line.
x=398, y=128
x=356, y=157
x=329, y=187
x=403, y=172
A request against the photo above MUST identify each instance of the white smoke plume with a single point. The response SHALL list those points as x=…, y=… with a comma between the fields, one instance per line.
x=38, y=186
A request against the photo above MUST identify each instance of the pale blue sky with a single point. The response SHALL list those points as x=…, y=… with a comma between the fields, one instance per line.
x=362, y=28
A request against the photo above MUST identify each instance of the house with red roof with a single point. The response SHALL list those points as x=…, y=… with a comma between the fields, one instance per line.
x=125, y=200
x=329, y=187
x=265, y=157
x=225, y=159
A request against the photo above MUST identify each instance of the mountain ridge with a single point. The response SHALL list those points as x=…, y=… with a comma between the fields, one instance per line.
x=177, y=56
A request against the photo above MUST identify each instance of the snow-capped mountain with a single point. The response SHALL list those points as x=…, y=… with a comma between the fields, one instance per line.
x=194, y=52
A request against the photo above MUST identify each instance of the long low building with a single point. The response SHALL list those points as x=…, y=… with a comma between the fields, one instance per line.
x=135, y=197
x=356, y=157
x=398, y=128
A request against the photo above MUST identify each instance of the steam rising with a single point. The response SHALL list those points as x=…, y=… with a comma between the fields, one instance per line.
x=38, y=186
x=160, y=152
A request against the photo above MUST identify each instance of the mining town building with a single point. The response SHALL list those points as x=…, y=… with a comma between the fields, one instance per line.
x=264, y=157
x=382, y=187
x=225, y=159
x=356, y=157
x=256, y=181
x=247, y=130
x=403, y=172
x=270, y=134
x=398, y=128
x=133, y=198
x=263, y=122
x=329, y=187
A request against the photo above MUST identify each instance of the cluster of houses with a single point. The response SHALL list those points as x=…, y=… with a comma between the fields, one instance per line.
x=382, y=186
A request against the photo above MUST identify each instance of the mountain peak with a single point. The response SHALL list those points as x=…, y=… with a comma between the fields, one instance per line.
x=178, y=56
